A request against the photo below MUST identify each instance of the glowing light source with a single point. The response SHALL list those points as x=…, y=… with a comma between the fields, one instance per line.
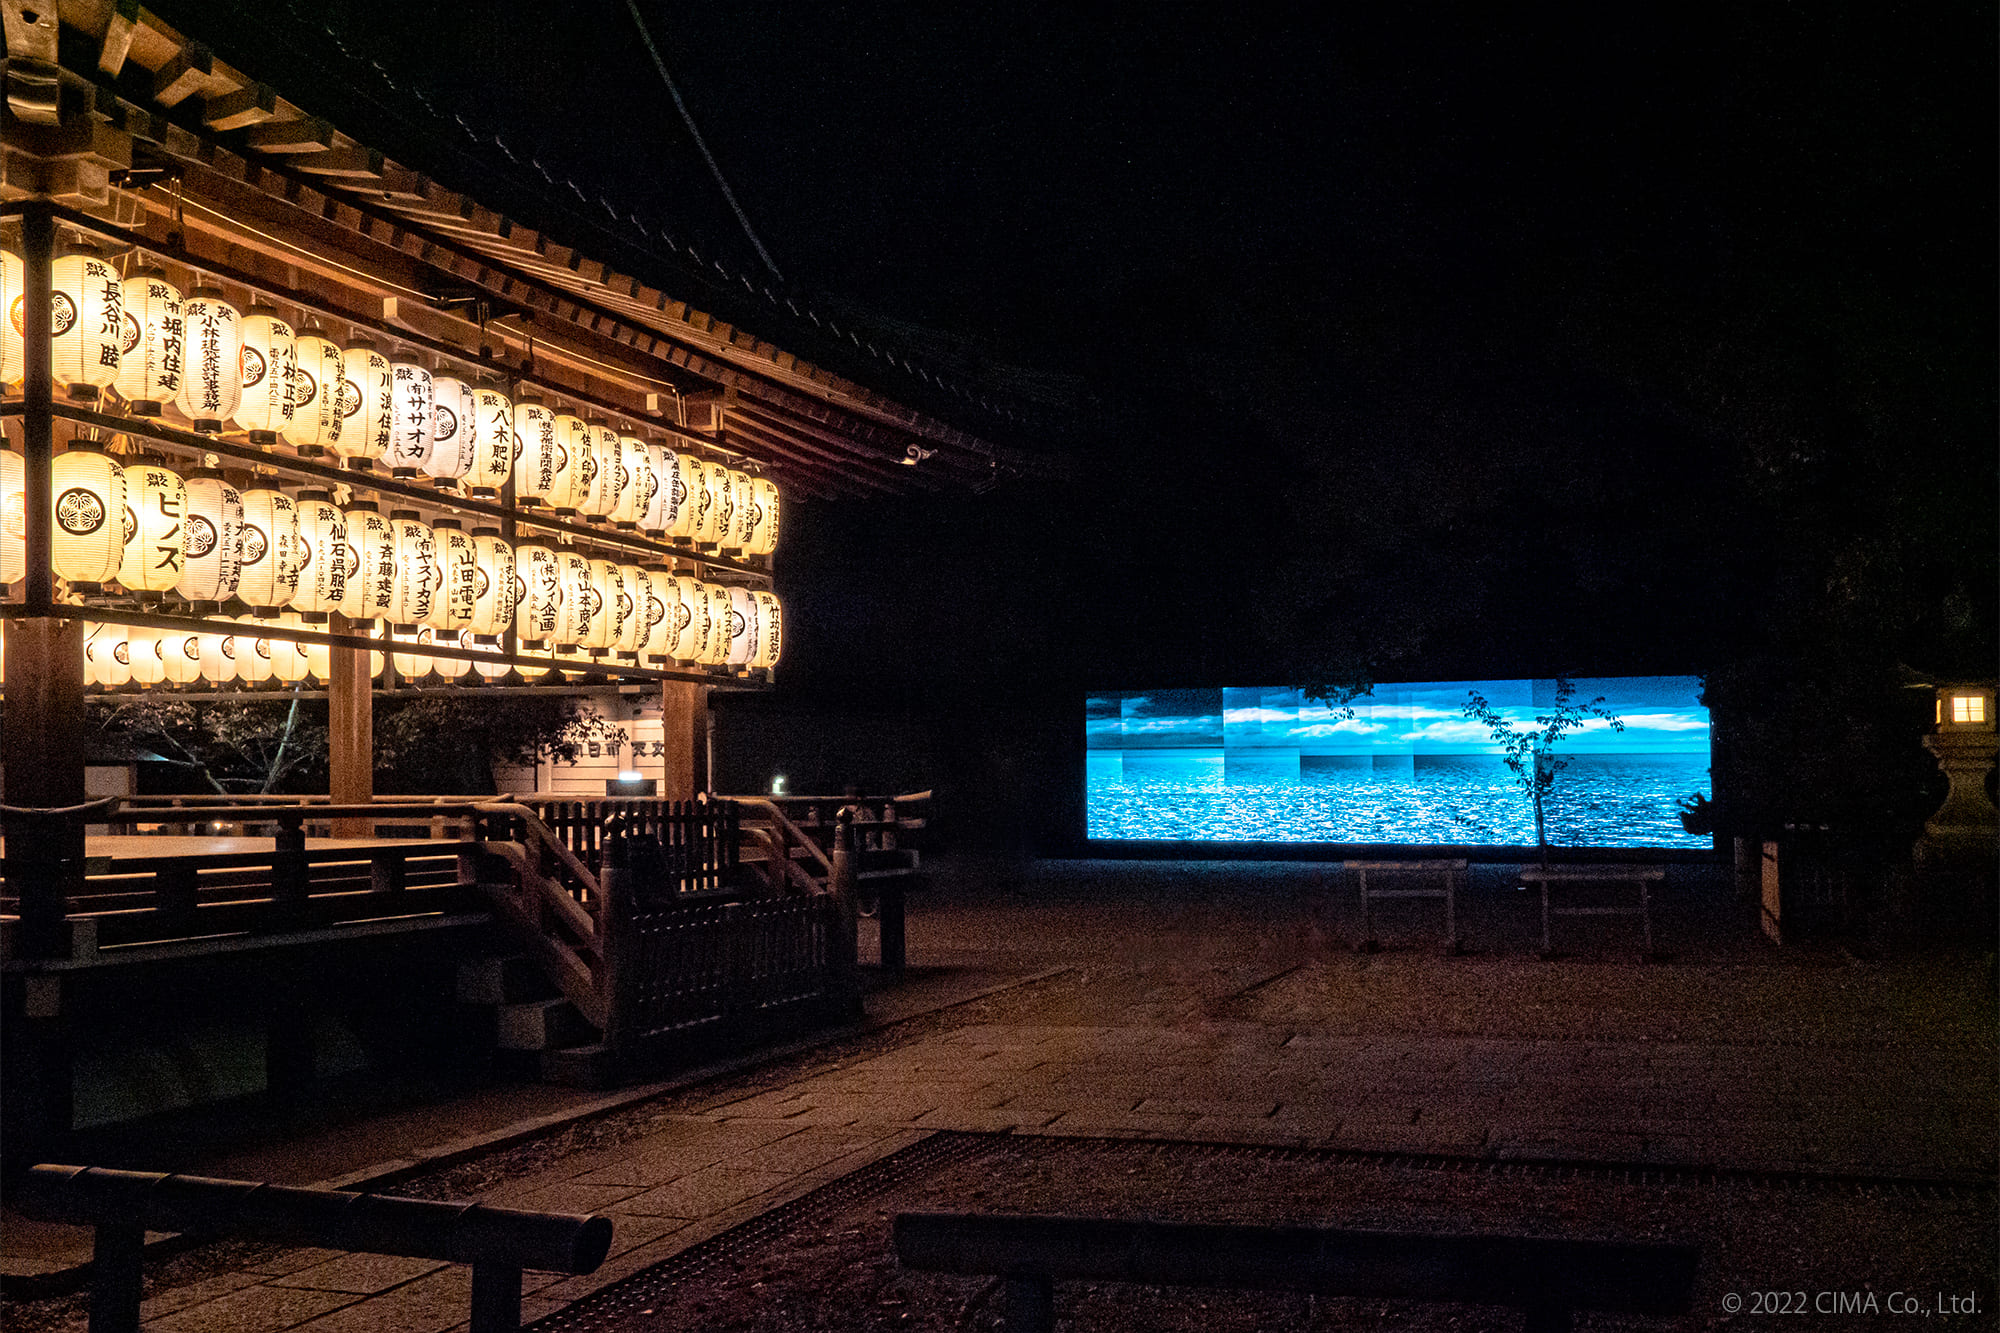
x=214, y=544
x=368, y=401
x=218, y=658
x=13, y=516
x=269, y=360
x=578, y=612
x=408, y=452
x=416, y=583
x=156, y=535
x=180, y=657
x=153, y=348
x=322, y=557
x=538, y=615
x=721, y=632
x=458, y=579
x=88, y=491
x=764, y=523
x=640, y=482
x=771, y=623
x=575, y=465
x=542, y=463
x=743, y=638
x=212, y=381
x=13, y=328
x=86, y=324
x=253, y=653
x=493, y=603
x=663, y=506
x=609, y=477
x=492, y=441
x=634, y=620
x=142, y=656
x=319, y=395
x=371, y=563
x=454, y=408
x=268, y=576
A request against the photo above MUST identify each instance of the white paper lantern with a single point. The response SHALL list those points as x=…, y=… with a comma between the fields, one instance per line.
x=14, y=328
x=180, y=657
x=688, y=499
x=657, y=621
x=492, y=441
x=538, y=594
x=153, y=350
x=492, y=671
x=633, y=624
x=218, y=658
x=742, y=628
x=453, y=409
x=640, y=483
x=708, y=491
x=269, y=358
x=542, y=463
x=253, y=653
x=214, y=541
x=212, y=381
x=319, y=392
x=458, y=579
x=577, y=614
x=764, y=494
x=368, y=399
x=453, y=668
x=493, y=606
x=416, y=570
x=771, y=627
x=576, y=465
x=412, y=666
x=143, y=656
x=722, y=630
x=322, y=557
x=610, y=598
x=598, y=493
x=662, y=509
x=114, y=659
x=319, y=662
x=409, y=448
x=87, y=324
x=156, y=530
x=288, y=659
x=91, y=629
x=88, y=490
x=371, y=563
x=13, y=516
x=687, y=615
x=268, y=576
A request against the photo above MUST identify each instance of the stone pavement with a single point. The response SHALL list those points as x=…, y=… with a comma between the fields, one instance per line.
x=1224, y=1004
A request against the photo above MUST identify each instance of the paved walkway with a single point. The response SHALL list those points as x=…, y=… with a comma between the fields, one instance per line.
x=1225, y=1004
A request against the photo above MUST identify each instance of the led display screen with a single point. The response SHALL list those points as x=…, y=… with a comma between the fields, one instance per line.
x=1403, y=764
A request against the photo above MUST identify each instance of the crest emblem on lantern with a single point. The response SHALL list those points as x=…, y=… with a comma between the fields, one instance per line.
x=253, y=367
x=123, y=652
x=446, y=422
x=656, y=611
x=129, y=337
x=304, y=390
x=131, y=525
x=305, y=553
x=62, y=314
x=353, y=400
x=255, y=543
x=201, y=536
x=80, y=511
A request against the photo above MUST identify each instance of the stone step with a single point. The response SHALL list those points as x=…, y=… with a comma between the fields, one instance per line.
x=541, y=1025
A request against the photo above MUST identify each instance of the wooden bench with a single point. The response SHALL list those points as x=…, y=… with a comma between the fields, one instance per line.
x=1452, y=871
x=1644, y=877
x=1547, y=1278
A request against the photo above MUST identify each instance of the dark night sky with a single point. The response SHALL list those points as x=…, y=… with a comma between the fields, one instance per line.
x=1453, y=340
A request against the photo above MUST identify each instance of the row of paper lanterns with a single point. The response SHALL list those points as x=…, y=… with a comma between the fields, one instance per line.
x=745, y=634
x=155, y=532
x=141, y=338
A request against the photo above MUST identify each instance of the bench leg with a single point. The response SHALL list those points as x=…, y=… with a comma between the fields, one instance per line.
x=1030, y=1303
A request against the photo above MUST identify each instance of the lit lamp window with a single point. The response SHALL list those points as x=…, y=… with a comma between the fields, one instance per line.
x=13, y=516
x=218, y=658
x=212, y=381
x=371, y=563
x=771, y=620
x=409, y=448
x=269, y=358
x=86, y=324
x=13, y=328
x=214, y=523
x=369, y=404
x=1967, y=709
x=540, y=461
x=156, y=531
x=269, y=573
x=575, y=465
x=153, y=350
x=538, y=612
x=88, y=491
x=578, y=612
x=640, y=483
x=322, y=557
x=417, y=580
x=319, y=382
x=492, y=441
x=609, y=477
x=453, y=410
x=458, y=579
x=493, y=598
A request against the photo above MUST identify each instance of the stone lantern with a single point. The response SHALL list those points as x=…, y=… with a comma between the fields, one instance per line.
x=1964, y=827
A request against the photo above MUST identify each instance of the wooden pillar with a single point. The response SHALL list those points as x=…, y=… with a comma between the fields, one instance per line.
x=350, y=731
x=684, y=728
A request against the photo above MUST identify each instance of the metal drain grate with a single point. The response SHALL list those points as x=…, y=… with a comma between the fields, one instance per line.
x=650, y=1288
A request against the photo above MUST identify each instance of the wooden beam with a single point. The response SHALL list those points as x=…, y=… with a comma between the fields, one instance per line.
x=250, y=105
x=344, y=163
x=350, y=731
x=309, y=135
x=178, y=79
x=117, y=42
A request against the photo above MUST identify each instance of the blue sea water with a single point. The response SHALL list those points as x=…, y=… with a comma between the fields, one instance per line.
x=1601, y=800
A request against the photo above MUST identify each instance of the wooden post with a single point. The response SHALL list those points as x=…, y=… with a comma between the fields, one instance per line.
x=350, y=728
x=116, y=1268
x=684, y=728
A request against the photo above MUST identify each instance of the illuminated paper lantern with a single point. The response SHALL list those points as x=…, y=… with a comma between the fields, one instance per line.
x=538, y=589
x=153, y=348
x=612, y=605
x=458, y=579
x=143, y=656
x=319, y=661
x=687, y=608
x=577, y=615
x=634, y=620
x=598, y=493
x=288, y=659
x=409, y=448
x=722, y=631
x=771, y=629
x=416, y=583
x=492, y=441
x=412, y=666
x=575, y=464
x=13, y=516
x=655, y=616
x=86, y=324
x=218, y=658
x=91, y=630
x=640, y=483
x=453, y=409
x=253, y=653
x=322, y=557
x=542, y=462
x=155, y=530
x=493, y=604
x=742, y=628
x=180, y=657
x=740, y=516
x=212, y=381
x=88, y=491
x=371, y=563
x=268, y=576
x=764, y=519
x=114, y=660
x=453, y=668
x=319, y=389
x=14, y=328
x=214, y=543
x=269, y=357
x=708, y=492
x=368, y=400
x=662, y=509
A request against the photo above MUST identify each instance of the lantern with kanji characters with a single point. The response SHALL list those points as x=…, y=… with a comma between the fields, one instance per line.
x=88, y=491
x=458, y=579
x=770, y=622
x=13, y=330
x=408, y=451
x=268, y=574
x=214, y=542
x=599, y=496
x=153, y=348
x=493, y=603
x=13, y=516
x=370, y=589
x=722, y=631
x=640, y=482
x=633, y=627
x=218, y=658
x=452, y=410
x=212, y=381
x=662, y=508
x=322, y=557
x=269, y=359
x=86, y=324
x=708, y=492
x=368, y=401
x=416, y=583
x=575, y=465
x=143, y=656
x=740, y=517
x=540, y=461
x=156, y=530
x=538, y=607
x=578, y=613
x=743, y=637
x=687, y=609
x=613, y=605
x=492, y=441
x=319, y=389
